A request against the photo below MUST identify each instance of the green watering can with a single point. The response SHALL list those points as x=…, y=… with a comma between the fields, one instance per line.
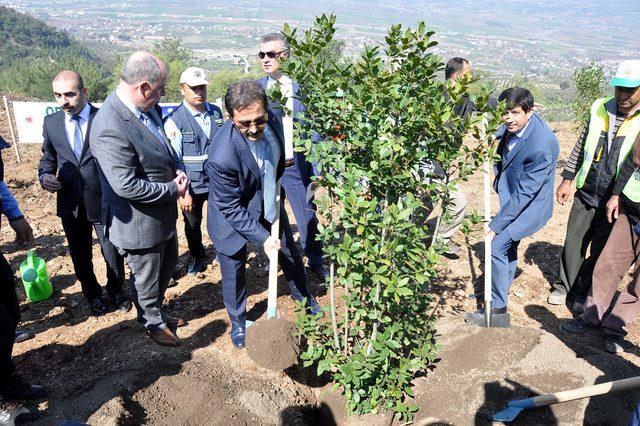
x=35, y=279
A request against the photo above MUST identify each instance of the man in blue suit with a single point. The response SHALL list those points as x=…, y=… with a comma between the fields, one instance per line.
x=298, y=171
x=245, y=160
x=528, y=152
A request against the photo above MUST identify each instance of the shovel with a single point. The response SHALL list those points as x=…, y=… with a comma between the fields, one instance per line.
x=272, y=301
x=272, y=344
x=515, y=407
x=489, y=320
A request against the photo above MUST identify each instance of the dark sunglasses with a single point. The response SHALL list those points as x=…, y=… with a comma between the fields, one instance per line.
x=246, y=124
x=271, y=54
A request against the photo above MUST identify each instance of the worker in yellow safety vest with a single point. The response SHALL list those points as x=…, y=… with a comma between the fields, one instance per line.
x=594, y=165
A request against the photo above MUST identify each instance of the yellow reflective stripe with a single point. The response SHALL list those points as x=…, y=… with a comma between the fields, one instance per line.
x=597, y=124
x=632, y=188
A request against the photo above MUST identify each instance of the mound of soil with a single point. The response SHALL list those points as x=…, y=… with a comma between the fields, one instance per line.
x=273, y=344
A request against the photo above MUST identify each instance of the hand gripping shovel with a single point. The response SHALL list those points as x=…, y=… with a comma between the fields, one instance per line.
x=515, y=407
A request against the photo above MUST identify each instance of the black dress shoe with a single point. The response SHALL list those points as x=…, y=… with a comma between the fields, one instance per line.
x=197, y=265
x=237, y=336
x=23, y=334
x=121, y=302
x=19, y=389
x=614, y=344
x=98, y=307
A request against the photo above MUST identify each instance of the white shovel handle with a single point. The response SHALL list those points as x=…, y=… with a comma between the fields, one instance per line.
x=602, y=388
x=272, y=301
x=487, y=243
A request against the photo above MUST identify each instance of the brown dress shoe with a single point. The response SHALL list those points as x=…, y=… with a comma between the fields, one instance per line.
x=174, y=322
x=163, y=337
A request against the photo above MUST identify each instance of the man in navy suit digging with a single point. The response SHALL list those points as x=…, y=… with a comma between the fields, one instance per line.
x=245, y=160
x=524, y=182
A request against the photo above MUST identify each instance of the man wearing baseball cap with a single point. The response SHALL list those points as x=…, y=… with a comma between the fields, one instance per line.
x=623, y=213
x=191, y=127
x=594, y=165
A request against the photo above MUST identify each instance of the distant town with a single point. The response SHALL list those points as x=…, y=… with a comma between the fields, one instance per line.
x=228, y=34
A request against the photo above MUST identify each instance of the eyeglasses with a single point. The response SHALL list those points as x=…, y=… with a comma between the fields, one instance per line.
x=246, y=124
x=271, y=54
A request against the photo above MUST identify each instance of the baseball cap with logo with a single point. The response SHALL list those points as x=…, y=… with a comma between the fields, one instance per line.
x=193, y=76
x=628, y=74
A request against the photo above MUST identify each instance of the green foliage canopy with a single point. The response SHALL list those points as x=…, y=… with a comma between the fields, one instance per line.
x=394, y=115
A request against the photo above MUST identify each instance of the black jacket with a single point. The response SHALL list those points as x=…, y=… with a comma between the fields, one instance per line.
x=79, y=178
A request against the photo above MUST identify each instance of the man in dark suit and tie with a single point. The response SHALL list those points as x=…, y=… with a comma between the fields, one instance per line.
x=140, y=188
x=68, y=168
x=298, y=171
x=528, y=152
x=246, y=158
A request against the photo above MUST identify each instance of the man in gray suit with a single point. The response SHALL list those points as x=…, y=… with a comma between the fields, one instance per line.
x=140, y=188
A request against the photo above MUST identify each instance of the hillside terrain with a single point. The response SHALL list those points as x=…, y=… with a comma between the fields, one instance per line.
x=105, y=370
x=32, y=52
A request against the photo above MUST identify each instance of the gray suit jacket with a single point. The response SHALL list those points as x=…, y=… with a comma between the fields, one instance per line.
x=136, y=171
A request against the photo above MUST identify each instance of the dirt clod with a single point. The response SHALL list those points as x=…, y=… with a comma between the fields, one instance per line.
x=273, y=343
x=112, y=413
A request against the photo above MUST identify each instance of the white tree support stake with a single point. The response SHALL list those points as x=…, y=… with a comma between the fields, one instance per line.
x=272, y=301
x=13, y=132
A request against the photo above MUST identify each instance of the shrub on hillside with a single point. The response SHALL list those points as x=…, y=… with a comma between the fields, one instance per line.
x=590, y=83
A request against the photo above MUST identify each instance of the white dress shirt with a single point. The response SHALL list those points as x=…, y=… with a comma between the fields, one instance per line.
x=70, y=125
x=286, y=87
x=518, y=137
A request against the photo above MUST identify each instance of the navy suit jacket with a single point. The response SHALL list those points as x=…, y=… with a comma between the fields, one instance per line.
x=524, y=180
x=304, y=167
x=234, y=213
x=79, y=179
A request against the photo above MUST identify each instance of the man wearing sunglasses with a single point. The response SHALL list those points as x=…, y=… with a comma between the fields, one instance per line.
x=244, y=163
x=298, y=171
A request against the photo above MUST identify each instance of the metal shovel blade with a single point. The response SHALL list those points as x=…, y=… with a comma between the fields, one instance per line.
x=497, y=320
x=512, y=410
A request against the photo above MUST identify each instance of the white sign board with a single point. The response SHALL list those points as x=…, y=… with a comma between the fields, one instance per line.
x=29, y=118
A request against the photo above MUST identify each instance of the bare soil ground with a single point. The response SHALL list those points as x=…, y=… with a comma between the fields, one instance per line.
x=106, y=371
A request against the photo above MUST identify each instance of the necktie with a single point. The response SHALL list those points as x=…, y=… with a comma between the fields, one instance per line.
x=269, y=182
x=150, y=123
x=77, y=136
